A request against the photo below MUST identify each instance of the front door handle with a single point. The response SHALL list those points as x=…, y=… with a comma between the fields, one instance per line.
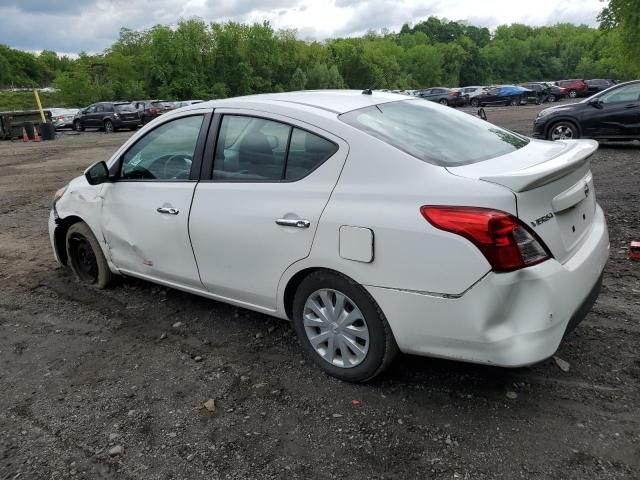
x=293, y=222
x=168, y=210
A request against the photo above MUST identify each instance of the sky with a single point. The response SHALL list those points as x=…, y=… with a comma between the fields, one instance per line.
x=71, y=26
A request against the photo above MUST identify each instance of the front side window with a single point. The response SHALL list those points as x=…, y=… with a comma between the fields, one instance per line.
x=443, y=137
x=255, y=149
x=630, y=93
x=165, y=153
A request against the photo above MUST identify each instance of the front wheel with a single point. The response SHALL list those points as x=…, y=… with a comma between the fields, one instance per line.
x=341, y=327
x=573, y=93
x=77, y=126
x=514, y=101
x=563, y=130
x=474, y=102
x=86, y=258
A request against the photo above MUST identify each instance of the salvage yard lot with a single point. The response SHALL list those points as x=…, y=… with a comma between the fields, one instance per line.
x=83, y=371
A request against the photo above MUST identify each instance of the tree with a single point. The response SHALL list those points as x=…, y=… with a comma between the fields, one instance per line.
x=298, y=80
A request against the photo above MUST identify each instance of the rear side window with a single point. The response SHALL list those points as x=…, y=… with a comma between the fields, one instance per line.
x=124, y=108
x=306, y=152
x=254, y=149
x=444, y=137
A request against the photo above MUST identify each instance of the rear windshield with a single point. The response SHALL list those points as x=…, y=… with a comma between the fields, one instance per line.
x=434, y=134
x=125, y=107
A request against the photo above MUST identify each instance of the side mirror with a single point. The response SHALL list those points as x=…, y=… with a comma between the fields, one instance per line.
x=596, y=102
x=97, y=173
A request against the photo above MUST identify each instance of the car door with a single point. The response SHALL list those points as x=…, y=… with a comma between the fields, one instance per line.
x=87, y=116
x=145, y=209
x=615, y=114
x=270, y=181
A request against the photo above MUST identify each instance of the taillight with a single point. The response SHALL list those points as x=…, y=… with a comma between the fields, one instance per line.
x=454, y=94
x=153, y=111
x=505, y=241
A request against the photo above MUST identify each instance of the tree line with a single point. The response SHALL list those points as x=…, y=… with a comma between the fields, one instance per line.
x=197, y=59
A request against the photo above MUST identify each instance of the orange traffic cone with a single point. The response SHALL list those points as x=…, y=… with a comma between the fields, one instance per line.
x=36, y=137
x=25, y=137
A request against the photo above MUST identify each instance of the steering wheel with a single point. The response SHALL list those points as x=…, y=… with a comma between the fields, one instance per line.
x=174, y=166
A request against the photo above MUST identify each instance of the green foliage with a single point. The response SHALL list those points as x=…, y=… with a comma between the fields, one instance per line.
x=196, y=59
x=10, y=101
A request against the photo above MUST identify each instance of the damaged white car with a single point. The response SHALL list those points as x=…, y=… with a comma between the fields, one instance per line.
x=377, y=223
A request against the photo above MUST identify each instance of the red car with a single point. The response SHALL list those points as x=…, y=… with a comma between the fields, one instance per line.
x=574, y=88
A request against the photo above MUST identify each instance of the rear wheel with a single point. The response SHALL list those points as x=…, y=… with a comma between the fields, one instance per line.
x=514, y=101
x=86, y=258
x=552, y=98
x=474, y=102
x=563, y=130
x=443, y=101
x=77, y=126
x=341, y=327
x=108, y=126
x=573, y=93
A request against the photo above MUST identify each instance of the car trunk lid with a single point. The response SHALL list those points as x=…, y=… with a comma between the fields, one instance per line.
x=553, y=186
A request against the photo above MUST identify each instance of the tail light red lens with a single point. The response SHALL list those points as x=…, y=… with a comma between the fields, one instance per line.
x=454, y=94
x=505, y=241
x=153, y=111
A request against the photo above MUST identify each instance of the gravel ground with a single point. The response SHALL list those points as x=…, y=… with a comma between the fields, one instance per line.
x=112, y=384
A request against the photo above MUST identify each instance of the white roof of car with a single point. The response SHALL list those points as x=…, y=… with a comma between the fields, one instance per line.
x=335, y=101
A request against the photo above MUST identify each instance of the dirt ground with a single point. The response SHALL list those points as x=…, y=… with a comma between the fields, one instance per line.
x=84, y=371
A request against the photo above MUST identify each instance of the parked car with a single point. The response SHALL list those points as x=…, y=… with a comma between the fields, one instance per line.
x=63, y=117
x=613, y=114
x=575, y=88
x=109, y=116
x=471, y=93
x=536, y=92
x=555, y=92
x=501, y=95
x=442, y=95
x=598, y=84
x=375, y=222
x=150, y=109
x=186, y=103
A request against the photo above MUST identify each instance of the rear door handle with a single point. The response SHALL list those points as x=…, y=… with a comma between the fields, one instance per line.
x=168, y=210
x=293, y=222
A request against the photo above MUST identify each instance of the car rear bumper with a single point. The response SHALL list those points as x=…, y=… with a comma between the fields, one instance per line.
x=127, y=123
x=506, y=319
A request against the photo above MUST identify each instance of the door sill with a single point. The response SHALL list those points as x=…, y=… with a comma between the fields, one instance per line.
x=203, y=293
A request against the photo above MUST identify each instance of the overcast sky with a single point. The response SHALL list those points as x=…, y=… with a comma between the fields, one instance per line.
x=71, y=26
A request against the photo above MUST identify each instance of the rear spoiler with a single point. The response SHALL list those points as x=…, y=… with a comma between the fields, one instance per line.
x=577, y=154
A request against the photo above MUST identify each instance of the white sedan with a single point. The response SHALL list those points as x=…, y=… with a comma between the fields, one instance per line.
x=376, y=222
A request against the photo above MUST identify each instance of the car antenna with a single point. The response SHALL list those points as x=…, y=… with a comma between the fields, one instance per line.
x=369, y=91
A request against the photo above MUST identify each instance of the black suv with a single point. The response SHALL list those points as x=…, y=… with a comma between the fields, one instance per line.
x=109, y=116
x=613, y=114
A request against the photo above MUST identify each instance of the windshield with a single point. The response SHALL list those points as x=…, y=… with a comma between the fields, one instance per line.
x=434, y=134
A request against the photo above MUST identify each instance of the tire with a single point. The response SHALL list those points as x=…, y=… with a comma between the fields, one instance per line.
x=563, y=130
x=134, y=128
x=443, y=101
x=108, y=126
x=376, y=352
x=77, y=126
x=474, y=102
x=86, y=259
x=573, y=94
x=515, y=101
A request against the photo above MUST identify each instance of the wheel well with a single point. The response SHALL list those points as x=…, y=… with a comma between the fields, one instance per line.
x=294, y=283
x=60, y=236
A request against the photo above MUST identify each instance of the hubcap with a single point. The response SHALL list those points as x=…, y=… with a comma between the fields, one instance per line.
x=561, y=132
x=85, y=259
x=336, y=328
